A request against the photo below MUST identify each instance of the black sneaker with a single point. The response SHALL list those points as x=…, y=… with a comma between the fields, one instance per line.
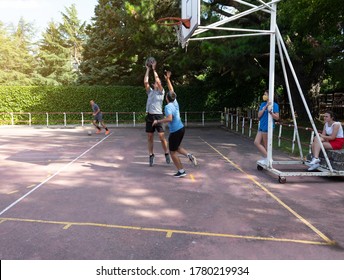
x=179, y=174
x=193, y=159
x=168, y=159
x=151, y=160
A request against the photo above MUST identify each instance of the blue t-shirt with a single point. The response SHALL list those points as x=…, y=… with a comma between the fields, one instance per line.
x=95, y=108
x=264, y=120
x=172, y=108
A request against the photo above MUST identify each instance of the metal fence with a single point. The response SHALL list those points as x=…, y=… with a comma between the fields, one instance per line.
x=246, y=123
x=130, y=119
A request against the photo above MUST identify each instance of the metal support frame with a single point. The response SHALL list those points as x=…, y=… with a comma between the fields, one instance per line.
x=275, y=39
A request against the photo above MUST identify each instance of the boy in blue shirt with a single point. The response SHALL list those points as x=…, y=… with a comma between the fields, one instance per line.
x=177, y=130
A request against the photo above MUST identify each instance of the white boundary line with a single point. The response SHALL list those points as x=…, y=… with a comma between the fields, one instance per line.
x=52, y=176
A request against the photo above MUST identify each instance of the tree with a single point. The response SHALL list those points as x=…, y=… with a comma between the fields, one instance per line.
x=313, y=30
x=61, y=50
x=16, y=60
x=123, y=35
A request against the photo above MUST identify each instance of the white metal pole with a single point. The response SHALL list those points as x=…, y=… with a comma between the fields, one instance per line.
x=289, y=93
x=303, y=99
x=271, y=80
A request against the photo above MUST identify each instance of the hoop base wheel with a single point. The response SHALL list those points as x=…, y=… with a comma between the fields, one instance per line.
x=282, y=179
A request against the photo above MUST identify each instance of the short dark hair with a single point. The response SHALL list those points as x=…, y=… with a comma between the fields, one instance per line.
x=171, y=96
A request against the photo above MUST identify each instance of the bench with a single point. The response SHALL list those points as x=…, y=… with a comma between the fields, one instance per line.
x=336, y=158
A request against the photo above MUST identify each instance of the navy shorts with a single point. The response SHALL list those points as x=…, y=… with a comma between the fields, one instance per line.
x=175, y=139
x=150, y=118
x=98, y=117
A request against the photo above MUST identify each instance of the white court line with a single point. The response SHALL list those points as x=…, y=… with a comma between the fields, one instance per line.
x=52, y=176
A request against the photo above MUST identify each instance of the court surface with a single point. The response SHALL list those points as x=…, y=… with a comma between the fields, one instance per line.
x=67, y=195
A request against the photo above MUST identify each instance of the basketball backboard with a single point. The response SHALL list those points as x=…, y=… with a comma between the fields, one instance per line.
x=191, y=9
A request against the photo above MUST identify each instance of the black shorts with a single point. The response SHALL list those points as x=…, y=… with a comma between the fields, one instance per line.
x=150, y=118
x=175, y=139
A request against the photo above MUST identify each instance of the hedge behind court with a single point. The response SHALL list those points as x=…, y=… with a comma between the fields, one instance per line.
x=76, y=99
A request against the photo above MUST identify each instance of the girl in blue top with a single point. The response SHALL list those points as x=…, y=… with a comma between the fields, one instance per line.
x=261, y=140
x=177, y=130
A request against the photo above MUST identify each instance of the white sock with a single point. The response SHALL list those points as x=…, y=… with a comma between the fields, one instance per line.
x=181, y=170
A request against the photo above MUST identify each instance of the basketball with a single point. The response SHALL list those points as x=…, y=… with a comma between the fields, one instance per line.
x=150, y=61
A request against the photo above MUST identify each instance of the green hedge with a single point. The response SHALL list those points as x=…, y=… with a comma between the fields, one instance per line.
x=76, y=99
x=34, y=99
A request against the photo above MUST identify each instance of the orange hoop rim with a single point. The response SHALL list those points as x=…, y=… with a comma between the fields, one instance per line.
x=177, y=21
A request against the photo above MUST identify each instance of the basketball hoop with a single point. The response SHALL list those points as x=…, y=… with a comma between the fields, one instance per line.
x=177, y=23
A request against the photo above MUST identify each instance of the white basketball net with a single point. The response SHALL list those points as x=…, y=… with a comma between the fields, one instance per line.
x=180, y=38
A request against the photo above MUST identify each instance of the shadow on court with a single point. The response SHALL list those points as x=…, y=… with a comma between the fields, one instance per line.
x=67, y=195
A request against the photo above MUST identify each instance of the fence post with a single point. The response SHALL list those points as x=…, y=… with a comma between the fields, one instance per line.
x=47, y=119
x=293, y=141
x=117, y=119
x=12, y=119
x=186, y=119
x=82, y=119
x=232, y=121
x=203, y=118
x=250, y=129
x=30, y=119
x=64, y=119
x=310, y=143
x=280, y=135
x=134, y=119
x=243, y=126
x=237, y=123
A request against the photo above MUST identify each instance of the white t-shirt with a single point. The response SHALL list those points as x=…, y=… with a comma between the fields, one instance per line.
x=329, y=129
x=155, y=98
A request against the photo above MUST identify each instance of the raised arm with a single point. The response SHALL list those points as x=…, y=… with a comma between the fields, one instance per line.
x=168, y=80
x=156, y=77
x=261, y=112
x=146, y=79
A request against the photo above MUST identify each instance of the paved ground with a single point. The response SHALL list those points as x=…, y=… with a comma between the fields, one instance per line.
x=67, y=195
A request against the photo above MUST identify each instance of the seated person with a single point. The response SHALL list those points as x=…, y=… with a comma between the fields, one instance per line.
x=331, y=137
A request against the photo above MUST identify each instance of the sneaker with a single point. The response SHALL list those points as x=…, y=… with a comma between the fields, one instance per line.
x=168, y=159
x=314, y=166
x=263, y=161
x=151, y=160
x=193, y=159
x=98, y=131
x=314, y=161
x=107, y=132
x=179, y=174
